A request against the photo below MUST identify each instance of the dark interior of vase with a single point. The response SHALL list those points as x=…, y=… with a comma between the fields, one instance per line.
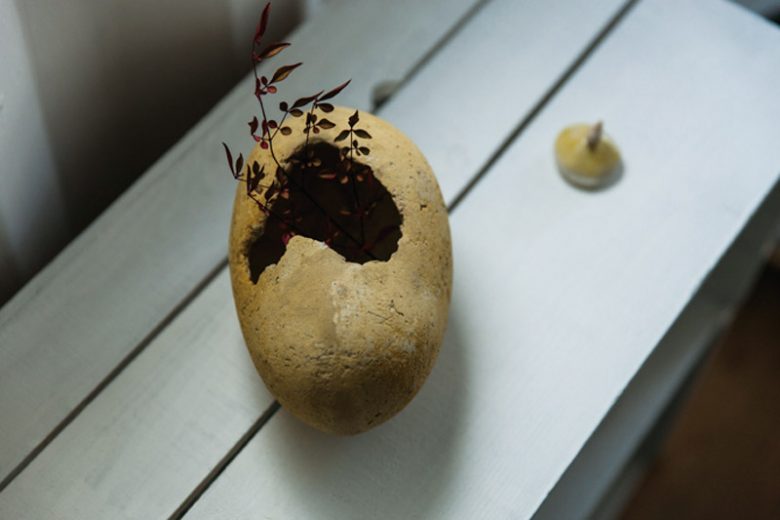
x=328, y=197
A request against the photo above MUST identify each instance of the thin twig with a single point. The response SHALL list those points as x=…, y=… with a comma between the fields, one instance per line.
x=358, y=207
x=594, y=135
x=290, y=178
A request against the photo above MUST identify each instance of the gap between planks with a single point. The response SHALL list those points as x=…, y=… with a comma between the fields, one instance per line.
x=543, y=101
x=203, y=486
x=124, y=363
x=225, y=461
x=192, y=295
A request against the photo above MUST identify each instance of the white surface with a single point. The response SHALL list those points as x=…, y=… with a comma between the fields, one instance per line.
x=144, y=444
x=601, y=461
x=69, y=327
x=560, y=295
x=179, y=383
x=487, y=80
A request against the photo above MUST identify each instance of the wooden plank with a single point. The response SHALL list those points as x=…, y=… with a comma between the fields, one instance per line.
x=602, y=460
x=560, y=295
x=116, y=471
x=102, y=297
x=138, y=479
x=501, y=71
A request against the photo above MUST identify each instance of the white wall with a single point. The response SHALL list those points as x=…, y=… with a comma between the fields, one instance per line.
x=32, y=216
x=92, y=92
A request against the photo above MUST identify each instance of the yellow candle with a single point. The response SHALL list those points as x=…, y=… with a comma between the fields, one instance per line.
x=586, y=157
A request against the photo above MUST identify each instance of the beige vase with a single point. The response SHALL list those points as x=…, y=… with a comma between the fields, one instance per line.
x=345, y=345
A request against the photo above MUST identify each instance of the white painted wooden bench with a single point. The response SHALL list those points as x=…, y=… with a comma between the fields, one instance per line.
x=125, y=388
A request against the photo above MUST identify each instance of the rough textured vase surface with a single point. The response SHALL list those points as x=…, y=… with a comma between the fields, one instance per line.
x=345, y=346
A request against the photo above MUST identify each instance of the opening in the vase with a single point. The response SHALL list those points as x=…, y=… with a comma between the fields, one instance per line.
x=334, y=200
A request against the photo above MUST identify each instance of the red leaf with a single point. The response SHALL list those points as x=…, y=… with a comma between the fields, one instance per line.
x=229, y=159
x=306, y=100
x=271, y=89
x=252, y=180
x=239, y=164
x=332, y=93
x=327, y=175
x=253, y=124
x=284, y=71
x=353, y=119
x=262, y=24
x=326, y=124
x=264, y=145
x=273, y=50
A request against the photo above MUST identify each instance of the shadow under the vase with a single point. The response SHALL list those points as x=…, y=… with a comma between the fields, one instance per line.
x=397, y=470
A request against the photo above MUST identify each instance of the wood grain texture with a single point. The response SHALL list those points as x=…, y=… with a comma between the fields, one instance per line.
x=136, y=423
x=560, y=295
x=99, y=299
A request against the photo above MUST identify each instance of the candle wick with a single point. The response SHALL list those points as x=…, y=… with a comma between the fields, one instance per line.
x=594, y=135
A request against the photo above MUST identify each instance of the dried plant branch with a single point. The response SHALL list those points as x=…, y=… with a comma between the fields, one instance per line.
x=291, y=177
